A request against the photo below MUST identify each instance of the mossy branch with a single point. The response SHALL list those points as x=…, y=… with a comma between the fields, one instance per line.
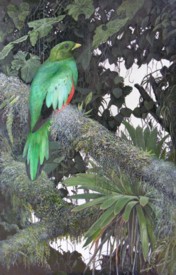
x=81, y=133
x=112, y=153
x=56, y=217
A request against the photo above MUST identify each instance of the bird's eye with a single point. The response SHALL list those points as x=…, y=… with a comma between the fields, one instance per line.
x=66, y=46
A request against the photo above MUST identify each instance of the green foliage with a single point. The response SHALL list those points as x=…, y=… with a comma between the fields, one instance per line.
x=41, y=28
x=129, y=9
x=80, y=7
x=7, y=49
x=18, y=13
x=119, y=201
x=125, y=12
x=26, y=64
x=146, y=139
x=103, y=32
x=85, y=57
x=84, y=104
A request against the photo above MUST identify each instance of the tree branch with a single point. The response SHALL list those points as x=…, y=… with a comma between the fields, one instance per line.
x=74, y=130
x=113, y=153
x=56, y=217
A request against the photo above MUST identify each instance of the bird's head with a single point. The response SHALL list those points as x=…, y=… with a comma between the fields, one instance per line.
x=63, y=50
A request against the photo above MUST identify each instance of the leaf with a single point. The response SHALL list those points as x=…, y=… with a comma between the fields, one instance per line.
x=6, y=50
x=29, y=69
x=18, y=14
x=33, y=36
x=137, y=112
x=80, y=7
x=95, y=235
x=80, y=179
x=85, y=57
x=129, y=8
x=95, y=226
x=19, y=60
x=143, y=231
x=107, y=217
x=129, y=207
x=143, y=200
x=150, y=218
x=119, y=102
x=88, y=98
x=103, y=32
x=126, y=112
x=88, y=204
x=41, y=32
x=159, y=146
x=117, y=92
x=125, y=185
x=127, y=90
x=139, y=138
x=151, y=142
x=45, y=21
x=91, y=181
x=125, y=12
x=85, y=196
x=118, y=118
x=103, y=221
x=109, y=201
x=131, y=131
x=2, y=36
x=118, y=79
x=12, y=12
x=20, y=40
x=146, y=135
x=120, y=204
x=42, y=27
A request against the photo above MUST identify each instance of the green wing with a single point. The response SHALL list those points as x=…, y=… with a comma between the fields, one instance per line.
x=59, y=89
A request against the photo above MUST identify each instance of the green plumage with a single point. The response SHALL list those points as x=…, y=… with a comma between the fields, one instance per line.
x=52, y=87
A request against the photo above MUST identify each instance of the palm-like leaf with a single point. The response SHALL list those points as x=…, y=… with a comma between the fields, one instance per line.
x=120, y=200
x=146, y=139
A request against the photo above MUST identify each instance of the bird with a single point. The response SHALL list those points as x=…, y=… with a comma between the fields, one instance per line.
x=52, y=89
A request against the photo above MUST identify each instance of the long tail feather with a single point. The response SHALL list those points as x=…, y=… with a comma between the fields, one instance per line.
x=36, y=151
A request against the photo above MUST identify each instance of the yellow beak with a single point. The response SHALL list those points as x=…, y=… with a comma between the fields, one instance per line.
x=77, y=45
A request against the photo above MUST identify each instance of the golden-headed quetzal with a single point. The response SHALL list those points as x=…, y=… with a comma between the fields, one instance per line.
x=52, y=88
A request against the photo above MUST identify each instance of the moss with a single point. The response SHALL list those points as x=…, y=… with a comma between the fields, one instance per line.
x=96, y=140
x=27, y=249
